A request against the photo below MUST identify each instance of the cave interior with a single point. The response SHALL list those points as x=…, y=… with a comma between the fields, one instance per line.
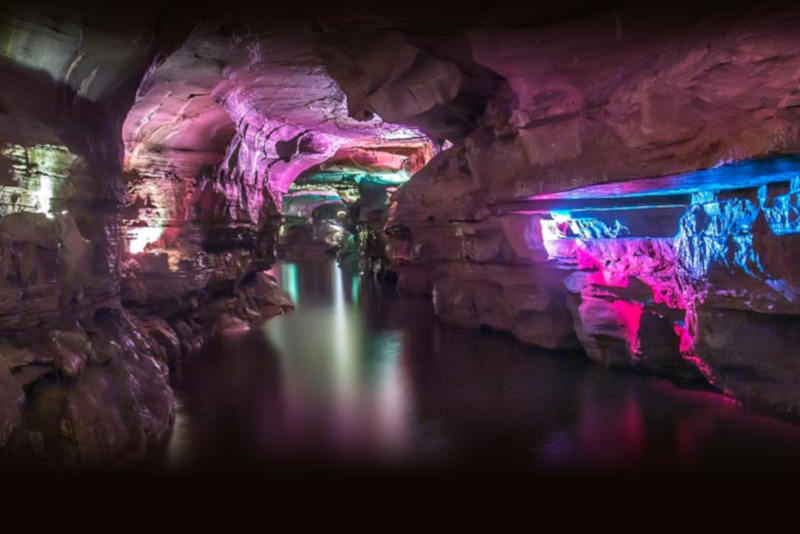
x=605, y=177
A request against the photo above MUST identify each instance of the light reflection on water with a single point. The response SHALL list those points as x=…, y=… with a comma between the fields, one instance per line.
x=359, y=377
x=337, y=375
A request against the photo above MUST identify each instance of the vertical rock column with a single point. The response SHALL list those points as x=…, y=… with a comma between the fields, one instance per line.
x=80, y=383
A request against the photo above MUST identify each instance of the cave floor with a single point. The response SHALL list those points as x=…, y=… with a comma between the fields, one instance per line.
x=359, y=378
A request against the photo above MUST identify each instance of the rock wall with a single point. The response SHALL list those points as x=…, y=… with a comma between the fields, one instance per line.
x=90, y=331
x=625, y=192
x=618, y=180
x=143, y=156
x=79, y=381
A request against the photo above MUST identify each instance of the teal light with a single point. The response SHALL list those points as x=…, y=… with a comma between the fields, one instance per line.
x=289, y=279
x=354, y=290
x=378, y=177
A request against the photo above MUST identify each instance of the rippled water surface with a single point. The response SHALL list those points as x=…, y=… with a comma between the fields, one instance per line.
x=360, y=378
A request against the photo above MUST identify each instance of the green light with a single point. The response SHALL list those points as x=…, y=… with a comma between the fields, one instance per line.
x=39, y=171
x=354, y=290
x=289, y=279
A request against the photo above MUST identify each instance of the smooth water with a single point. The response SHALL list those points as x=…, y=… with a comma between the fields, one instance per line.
x=359, y=378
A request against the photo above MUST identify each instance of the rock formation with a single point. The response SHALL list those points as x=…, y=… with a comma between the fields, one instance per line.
x=615, y=179
x=630, y=191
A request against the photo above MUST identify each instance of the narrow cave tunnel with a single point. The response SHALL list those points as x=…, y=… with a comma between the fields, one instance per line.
x=400, y=238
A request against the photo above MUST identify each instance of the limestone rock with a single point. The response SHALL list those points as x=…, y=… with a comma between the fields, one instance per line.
x=12, y=399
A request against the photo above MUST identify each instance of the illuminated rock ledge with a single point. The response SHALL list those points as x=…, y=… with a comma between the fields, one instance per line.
x=689, y=276
x=622, y=182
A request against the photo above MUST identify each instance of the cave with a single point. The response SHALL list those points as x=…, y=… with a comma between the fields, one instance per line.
x=399, y=237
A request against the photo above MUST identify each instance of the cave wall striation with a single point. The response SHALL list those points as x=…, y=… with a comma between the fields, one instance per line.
x=91, y=330
x=629, y=191
x=622, y=182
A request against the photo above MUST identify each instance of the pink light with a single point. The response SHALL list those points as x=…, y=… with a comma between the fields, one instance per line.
x=685, y=335
x=601, y=277
x=630, y=315
x=615, y=263
x=700, y=364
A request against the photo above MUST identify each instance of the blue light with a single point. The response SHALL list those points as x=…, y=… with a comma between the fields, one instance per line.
x=738, y=175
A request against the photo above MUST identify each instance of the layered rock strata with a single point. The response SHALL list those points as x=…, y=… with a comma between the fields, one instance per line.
x=625, y=193
x=90, y=331
x=621, y=180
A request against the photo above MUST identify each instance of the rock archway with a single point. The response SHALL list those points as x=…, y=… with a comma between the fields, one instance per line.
x=617, y=179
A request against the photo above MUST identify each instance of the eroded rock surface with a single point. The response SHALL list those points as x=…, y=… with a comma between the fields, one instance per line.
x=87, y=346
x=621, y=180
x=596, y=189
x=95, y=394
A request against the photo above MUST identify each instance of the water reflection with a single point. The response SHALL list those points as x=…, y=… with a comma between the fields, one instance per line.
x=359, y=377
x=343, y=384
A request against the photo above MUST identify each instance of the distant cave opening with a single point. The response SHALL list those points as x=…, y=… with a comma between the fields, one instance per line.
x=341, y=206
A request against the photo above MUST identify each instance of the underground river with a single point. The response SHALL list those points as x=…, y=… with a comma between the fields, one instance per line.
x=359, y=377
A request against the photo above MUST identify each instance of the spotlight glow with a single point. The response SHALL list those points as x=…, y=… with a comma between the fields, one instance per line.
x=139, y=238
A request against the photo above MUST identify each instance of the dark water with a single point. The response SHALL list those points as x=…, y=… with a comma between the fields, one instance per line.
x=358, y=378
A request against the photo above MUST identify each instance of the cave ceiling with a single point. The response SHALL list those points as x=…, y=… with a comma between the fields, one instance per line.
x=314, y=87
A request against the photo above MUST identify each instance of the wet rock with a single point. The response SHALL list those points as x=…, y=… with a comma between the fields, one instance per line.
x=33, y=355
x=148, y=280
x=181, y=335
x=123, y=409
x=95, y=398
x=12, y=400
x=303, y=241
x=626, y=334
x=161, y=338
x=72, y=350
x=752, y=356
x=504, y=299
x=121, y=412
x=48, y=427
x=254, y=301
x=443, y=191
x=48, y=272
x=529, y=117
x=414, y=280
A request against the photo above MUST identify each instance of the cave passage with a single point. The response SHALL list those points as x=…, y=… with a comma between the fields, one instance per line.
x=360, y=378
x=533, y=238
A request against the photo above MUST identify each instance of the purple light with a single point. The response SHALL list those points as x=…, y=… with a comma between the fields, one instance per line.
x=715, y=232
